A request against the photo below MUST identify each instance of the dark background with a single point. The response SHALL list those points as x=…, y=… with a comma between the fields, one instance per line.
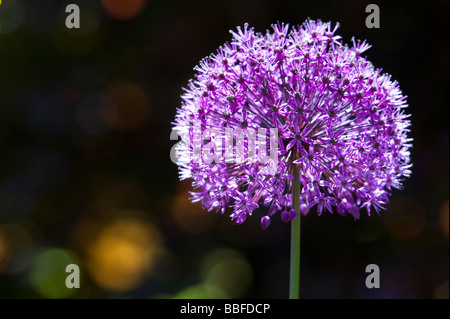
x=86, y=178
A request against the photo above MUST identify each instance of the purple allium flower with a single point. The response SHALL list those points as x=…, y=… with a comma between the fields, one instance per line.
x=338, y=120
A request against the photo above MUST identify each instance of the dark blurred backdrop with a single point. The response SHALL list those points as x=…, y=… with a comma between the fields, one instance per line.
x=86, y=178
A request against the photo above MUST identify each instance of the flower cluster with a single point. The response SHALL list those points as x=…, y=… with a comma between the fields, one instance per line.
x=340, y=122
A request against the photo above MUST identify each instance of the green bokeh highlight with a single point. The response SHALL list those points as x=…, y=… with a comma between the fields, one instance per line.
x=48, y=276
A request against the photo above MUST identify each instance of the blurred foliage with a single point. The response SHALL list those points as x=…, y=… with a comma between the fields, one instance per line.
x=86, y=178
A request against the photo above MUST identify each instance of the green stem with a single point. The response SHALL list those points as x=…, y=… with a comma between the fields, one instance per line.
x=294, y=279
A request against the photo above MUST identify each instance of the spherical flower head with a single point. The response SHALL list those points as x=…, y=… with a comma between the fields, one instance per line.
x=292, y=99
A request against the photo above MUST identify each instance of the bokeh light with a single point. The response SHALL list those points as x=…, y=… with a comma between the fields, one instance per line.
x=48, y=274
x=5, y=251
x=226, y=273
x=443, y=218
x=190, y=217
x=123, y=9
x=96, y=113
x=121, y=255
x=131, y=103
x=12, y=14
x=406, y=218
x=17, y=248
x=200, y=291
x=441, y=291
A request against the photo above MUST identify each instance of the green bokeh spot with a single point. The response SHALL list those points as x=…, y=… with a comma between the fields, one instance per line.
x=192, y=292
x=48, y=274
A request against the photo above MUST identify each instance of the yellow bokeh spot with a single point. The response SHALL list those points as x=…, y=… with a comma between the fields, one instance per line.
x=405, y=218
x=122, y=254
